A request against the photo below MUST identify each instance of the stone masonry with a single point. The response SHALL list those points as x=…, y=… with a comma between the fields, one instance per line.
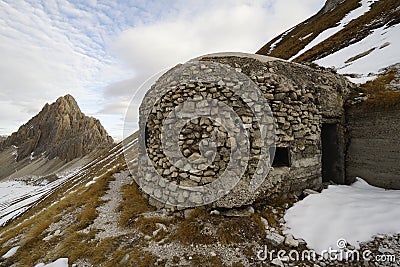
x=300, y=99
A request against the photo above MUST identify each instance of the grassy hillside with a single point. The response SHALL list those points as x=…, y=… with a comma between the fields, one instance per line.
x=384, y=12
x=377, y=95
x=65, y=225
x=293, y=40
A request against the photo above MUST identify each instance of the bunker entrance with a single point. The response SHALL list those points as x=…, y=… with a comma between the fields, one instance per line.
x=331, y=167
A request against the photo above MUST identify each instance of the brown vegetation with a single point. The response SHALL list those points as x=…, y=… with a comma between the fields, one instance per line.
x=78, y=201
x=386, y=10
x=378, y=96
x=133, y=204
x=292, y=43
x=202, y=228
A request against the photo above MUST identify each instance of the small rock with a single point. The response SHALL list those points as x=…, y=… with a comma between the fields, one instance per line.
x=284, y=228
x=265, y=222
x=47, y=238
x=188, y=212
x=275, y=239
x=250, y=210
x=161, y=226
x=285, y=259
x=215, y=212
x=386, y=251
x=302, y=241
x=125, y=258
x=277, y=262
x=213, y=254
x=291, y=241
x=310, y=192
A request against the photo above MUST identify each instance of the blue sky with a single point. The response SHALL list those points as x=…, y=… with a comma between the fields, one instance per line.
x=102, y=51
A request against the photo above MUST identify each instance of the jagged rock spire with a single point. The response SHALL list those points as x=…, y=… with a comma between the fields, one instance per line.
x=59, y=130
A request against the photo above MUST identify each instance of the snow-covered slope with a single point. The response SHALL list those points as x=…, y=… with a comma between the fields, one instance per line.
x=368, y=57
x=16, y=197
x=354, y=14
x=20, y=195
x=359, y=38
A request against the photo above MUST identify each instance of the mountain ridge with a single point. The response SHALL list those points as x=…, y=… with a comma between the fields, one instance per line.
x=346, y=35
x=59, y=130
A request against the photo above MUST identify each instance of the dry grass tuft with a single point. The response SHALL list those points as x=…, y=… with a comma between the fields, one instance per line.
x=378, y=96
x=139, y=258
x=201, y=260
x=148, y=225
x=190, y=230
x=202, y=228
x=132, y=205
x=240, y=229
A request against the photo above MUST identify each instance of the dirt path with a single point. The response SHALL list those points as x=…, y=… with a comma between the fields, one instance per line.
x=107, y=220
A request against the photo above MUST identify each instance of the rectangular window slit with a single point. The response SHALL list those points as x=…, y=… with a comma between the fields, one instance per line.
x=282, y=157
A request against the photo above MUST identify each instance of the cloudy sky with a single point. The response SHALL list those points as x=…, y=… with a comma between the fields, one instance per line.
x=102, y=51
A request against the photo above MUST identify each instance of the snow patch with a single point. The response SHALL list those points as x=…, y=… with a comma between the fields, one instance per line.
x=385, y=40
x=16, y=197
x=10, y=253
x=61, y=262
x=273, y=45
x=90, y=183
x=355, y=213
x=305, y=37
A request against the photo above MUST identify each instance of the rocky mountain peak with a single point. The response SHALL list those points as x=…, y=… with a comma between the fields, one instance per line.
x=67, y=104
x=59, y=130
x=330, y=5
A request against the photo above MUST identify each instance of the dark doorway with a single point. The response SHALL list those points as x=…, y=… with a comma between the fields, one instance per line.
x=331, y=156
x=281, y=157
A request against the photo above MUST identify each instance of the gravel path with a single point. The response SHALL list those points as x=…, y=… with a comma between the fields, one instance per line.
x=107, y=220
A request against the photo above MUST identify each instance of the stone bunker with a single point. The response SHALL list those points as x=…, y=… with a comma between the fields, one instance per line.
x=307, y=147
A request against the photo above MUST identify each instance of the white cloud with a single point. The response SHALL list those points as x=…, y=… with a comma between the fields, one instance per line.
x=46, y=52
x=195, y=29
x=225, y=26
x=54, y=47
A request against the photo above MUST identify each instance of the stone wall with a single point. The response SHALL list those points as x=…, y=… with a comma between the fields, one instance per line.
x=374, y=146
x=300, y=99
x=325, y=89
